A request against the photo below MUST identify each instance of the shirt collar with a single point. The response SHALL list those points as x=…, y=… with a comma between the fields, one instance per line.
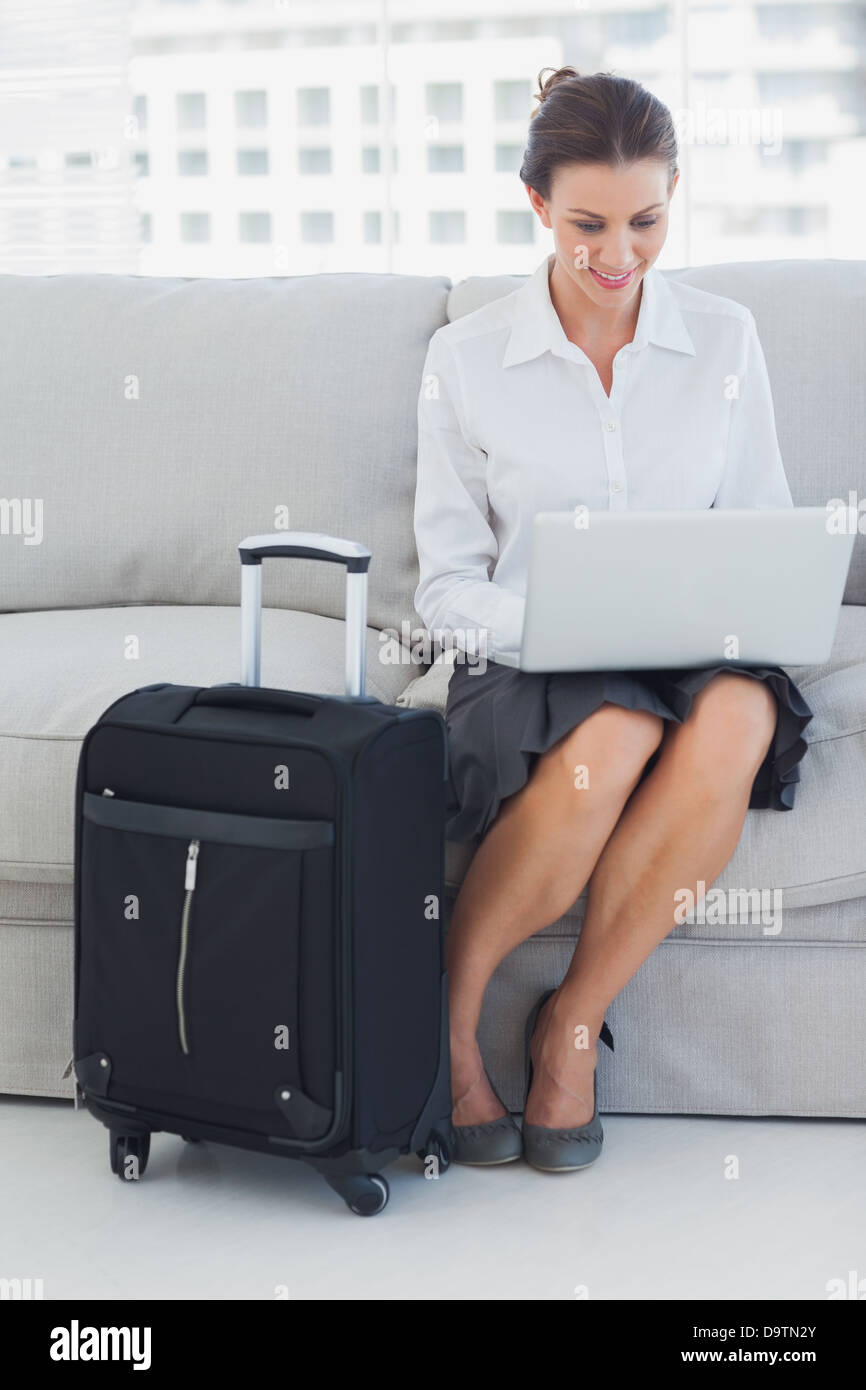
x=535, y=325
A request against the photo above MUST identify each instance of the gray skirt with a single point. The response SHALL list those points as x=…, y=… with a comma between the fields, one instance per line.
x=500, y=720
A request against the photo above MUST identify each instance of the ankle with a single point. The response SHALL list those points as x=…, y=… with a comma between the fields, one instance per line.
x=580, y=1020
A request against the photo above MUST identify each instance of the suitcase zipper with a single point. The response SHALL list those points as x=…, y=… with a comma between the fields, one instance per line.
x=189, y=887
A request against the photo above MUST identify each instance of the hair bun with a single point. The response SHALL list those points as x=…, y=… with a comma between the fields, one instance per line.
x=557, y=75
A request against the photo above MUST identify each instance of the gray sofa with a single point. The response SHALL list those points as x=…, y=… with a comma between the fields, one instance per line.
x=161, y=420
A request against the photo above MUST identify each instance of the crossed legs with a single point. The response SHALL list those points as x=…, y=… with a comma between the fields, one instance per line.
x=635, y=846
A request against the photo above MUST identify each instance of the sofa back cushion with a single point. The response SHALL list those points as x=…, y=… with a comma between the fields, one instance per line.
x=159, y=421
x=811, y=318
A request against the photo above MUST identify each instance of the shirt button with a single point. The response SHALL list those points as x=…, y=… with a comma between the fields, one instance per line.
x=616, y=487
x=610, y=424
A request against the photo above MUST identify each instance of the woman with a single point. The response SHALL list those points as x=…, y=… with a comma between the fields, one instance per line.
x=599, y=383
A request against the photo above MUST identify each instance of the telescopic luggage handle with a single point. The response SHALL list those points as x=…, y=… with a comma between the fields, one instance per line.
x=312, y=545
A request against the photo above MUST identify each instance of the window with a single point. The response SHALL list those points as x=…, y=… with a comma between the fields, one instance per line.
x=317, y=226
x=195, y=226
x=141, y=162
x=369, y=105
x=139, y=111
x=447, y=227
x=192, y=162
x=253, y=162
x=22, y=167
x=251, y=108
x=445, y=100
x=445, y=159
x=145, y=227
x=191, y=110
x=372, y=227
x=508, y=159
x=314, y=105
x=515, y=228
x=314, y=161
x=371, y=159
x=254, y=226
x=512, y=101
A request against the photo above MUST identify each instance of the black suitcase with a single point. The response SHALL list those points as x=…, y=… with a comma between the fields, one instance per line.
x=259, y=893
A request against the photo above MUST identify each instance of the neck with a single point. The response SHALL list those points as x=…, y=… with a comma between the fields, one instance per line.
x=580, y=316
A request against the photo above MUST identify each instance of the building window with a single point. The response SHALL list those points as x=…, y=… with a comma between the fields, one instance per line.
x=371, y=159
x=447, y=228
x=314, y=105
x=369, y=105
x=314, y=161
x=195, y=226
x=251, y=108
x=254, y=226
x=514, y=228
x=444, y=159
x=145, y=227
x=192, y=162
x=508, y=159
x=372, y=227
x=79, y=161
x=191, y=110
x=253, y=162
x=445, y=100
x=22, y=167
x=141, y=163
x=317, y=226
x=512, y=101
x=139, y=111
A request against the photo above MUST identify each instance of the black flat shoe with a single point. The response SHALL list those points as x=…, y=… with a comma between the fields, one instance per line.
x=561, y=1150
x=495, y=1141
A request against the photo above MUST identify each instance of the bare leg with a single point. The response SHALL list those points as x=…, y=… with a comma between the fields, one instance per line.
x=530, y=867
x=681, y=825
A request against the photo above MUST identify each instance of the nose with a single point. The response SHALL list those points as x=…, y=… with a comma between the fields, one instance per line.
x=616, y=252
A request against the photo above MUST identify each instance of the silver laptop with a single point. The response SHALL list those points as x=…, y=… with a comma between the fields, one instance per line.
x=644, y=589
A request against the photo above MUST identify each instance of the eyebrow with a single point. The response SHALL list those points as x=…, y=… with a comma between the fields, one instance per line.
x=600, y=218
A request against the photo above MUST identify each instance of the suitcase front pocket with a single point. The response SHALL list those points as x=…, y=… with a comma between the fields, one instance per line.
x=206, y=960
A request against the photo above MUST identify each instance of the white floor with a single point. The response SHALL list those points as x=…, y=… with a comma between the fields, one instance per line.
x=655, y=1217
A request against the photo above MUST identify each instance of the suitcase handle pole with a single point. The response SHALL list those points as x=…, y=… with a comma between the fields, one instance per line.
x=310, y=545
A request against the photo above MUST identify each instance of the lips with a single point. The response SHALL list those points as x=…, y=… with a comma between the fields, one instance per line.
x=612, y=282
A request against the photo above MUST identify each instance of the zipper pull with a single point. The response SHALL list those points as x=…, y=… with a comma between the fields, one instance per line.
x=107, y=791
x=191, y=859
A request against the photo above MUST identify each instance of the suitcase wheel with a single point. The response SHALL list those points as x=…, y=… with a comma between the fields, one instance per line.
x=436, y=1147
x=364, y=1194
x=128, y=1154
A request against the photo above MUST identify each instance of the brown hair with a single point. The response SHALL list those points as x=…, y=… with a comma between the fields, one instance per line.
x=596, y=118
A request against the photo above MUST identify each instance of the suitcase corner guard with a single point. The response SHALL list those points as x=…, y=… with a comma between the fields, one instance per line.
x=307, y=1119
x=94, y=1073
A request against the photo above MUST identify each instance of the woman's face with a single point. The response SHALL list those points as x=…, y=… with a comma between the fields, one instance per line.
x=618, y=216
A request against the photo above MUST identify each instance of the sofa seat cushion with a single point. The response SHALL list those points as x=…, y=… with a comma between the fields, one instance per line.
x=62, y=668
x=814, y=853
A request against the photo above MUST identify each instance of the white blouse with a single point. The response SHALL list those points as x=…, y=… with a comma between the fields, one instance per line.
x=513, y=419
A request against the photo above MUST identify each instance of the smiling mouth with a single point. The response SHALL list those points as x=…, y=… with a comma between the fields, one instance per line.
x=612, y=281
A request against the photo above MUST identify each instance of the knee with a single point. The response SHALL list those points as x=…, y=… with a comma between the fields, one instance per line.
x=607, y=752
x=729, y=729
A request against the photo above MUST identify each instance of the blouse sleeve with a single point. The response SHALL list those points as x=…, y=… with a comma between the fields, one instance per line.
x=754, y=475
x=457, y=549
